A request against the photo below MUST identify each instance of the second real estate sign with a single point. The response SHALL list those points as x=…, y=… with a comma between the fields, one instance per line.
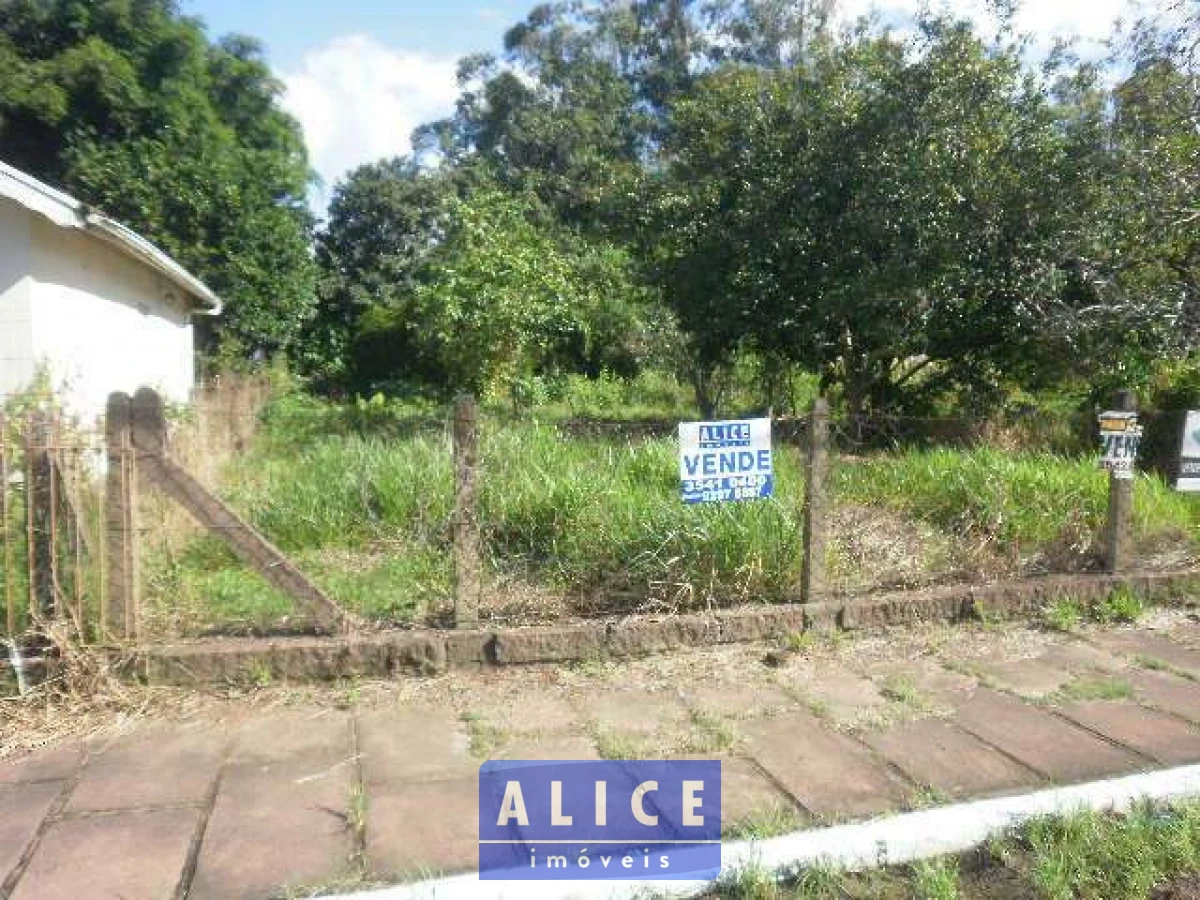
x=1189, y=454
x=725, y=461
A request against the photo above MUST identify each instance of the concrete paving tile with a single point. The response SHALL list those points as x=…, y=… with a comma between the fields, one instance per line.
x=1080, y=658
x=156, y=767
x=1151, y=645
x=312, y=734
x=1187, y=633
x=736, y=701
x=423, y=829
x=547, y=747
x=1167, y=692
x=138, y=855
x=1042, y=741
x=934, y=752
x=22, y=809
x=829, y=773
x=632, y=709
x=413, y=744
x=844, y=696
x=55, y=764
x=932, y=680
x=1154, y=734
x=1027, y=677
x=273, y=826
x=746, y=792
x=529, y=713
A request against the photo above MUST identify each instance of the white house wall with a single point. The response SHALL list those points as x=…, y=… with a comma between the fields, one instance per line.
x=16, y=325
x=103, y=322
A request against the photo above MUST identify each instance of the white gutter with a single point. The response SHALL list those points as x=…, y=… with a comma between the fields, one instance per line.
x=67, y=212
x=887, y=841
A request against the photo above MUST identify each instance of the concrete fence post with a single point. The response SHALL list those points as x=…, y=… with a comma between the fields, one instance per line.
x=467, y=583
x=1120, y=503
x=812, y=586
x=120, y=521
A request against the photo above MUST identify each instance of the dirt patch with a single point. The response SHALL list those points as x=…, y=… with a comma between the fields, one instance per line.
x=1185, y=887
x=875, y=547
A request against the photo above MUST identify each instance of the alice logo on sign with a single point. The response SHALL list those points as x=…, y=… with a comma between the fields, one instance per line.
x=598, y=820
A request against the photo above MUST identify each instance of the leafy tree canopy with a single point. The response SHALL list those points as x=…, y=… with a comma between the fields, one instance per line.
x=129, y=106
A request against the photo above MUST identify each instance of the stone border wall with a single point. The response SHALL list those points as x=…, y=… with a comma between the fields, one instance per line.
x=427, y=652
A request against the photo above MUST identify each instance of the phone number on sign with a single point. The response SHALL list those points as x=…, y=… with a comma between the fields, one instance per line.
x=737, y=482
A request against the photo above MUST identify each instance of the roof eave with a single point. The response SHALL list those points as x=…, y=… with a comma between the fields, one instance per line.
x=67, y=212
x=207, y=303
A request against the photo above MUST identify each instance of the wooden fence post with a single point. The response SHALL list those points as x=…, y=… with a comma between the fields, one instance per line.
x=812, y=586
x=1120, y=503
x=39, y=505
x=10, y=605
x=467, y=586
x=121, y=525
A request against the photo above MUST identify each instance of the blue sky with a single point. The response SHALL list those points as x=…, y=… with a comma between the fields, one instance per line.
x=291, y=29
x=360, y=75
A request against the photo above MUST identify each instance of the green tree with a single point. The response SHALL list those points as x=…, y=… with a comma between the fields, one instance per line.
x=508, y=295
x=384, y=218
x=905, y=217
x=128, y=105
x=441, y=280
x=554, y=116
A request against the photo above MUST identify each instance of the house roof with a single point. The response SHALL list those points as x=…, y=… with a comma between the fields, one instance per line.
x=67, y=212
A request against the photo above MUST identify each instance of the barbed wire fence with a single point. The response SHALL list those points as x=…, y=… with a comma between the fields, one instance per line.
x=849, y=541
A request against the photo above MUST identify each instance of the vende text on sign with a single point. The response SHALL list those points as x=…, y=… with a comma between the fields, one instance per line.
x=1120, y=435
x=1189, y=454
x=725, y=461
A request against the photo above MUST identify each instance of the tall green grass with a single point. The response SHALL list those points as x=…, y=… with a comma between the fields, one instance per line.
x=369, y=514
x=1029, y=499
x=577, y=514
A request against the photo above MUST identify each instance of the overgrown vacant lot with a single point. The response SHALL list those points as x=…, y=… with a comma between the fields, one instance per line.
x=576, y=525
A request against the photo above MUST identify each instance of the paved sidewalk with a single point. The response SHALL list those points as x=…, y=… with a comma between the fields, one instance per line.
x=299, y=790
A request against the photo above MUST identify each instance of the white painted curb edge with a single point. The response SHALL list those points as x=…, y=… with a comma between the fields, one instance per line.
x=895, y=839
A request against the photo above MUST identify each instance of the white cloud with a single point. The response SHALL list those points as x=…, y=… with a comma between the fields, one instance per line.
x=1045, y=20
x=358, y=101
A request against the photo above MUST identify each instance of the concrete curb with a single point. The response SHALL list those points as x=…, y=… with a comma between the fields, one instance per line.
x=888, y=841
x=427, y=652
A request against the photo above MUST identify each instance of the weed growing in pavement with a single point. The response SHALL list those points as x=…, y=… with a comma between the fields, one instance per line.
x=935, y=879
x=616, y=745
x=750, y=882
x=1120, y=606
x=765, y=822
x=1064, y=614
x=484, y=737
x=710, y=733
x=1151, y=662
x=1085, y=688
x=902, y=689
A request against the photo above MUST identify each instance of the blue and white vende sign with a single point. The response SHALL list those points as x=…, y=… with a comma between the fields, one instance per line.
x=593, y=820
x=724, y=461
